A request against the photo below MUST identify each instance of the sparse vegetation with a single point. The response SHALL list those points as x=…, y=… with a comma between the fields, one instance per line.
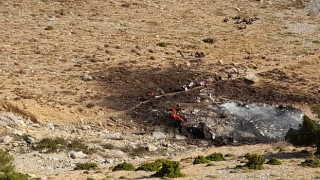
x=316, y=108
x=170, y=169
x=281, y=148
x=255, y=161
x=313, y=162
x=7, y=170
x=316, y=41
x=49, y=28
x=78, y=145
x=50, y=144
x=307, y=134
x=152, y=166
x=216, y=157
x=201, y=160
x=58, y=144
x=85, y=166
x=138, y=151
x=124, y=167
x=12, y=175
x=274, y=161
x=6, y=161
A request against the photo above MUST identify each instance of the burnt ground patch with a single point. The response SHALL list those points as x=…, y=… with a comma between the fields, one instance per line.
x=128, y=92
x=123, y=88
x=129, y=87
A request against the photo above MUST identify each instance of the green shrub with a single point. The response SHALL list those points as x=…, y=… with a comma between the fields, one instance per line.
x=215, y=157
x=14, y=176
x=316, y=41
x=7, y=170
x=56, y=144
x=51, y=144
x=314, y=163
x=85, y=166
x=274, y=161
x=152, y=166
x=6, y=161
x=201, y=160
x=255, y=161
x=170, y=169
x=124, y=167
x=77, y=145
x=281, y=148
x=49, y=28
x=307, y=134
x=316, y=108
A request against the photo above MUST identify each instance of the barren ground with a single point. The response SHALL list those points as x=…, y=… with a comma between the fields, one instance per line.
x=102, y=58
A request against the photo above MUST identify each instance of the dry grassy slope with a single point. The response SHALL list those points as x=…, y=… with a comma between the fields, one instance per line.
x=41, y=69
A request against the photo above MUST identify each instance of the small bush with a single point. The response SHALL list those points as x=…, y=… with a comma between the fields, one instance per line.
x=51, y=144
x=151, y=166
x=314, y=163
x=316, y=108
x=7, y=169
x=124, y=167
x=316, y=41
x=255, y=161
x=215, y=157
x=201, y=160
x=14, y=176
x=6, y=161
x=281, y=148
x=49, y=28
x=274, y=161
x=170, y=169
x=77, y=145
x=85, y=166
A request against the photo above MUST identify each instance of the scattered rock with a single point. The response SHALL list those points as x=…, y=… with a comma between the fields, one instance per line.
x=50, y=126
x=87, y=77
x=251, y=78
x=5, y=139
x=180, y=137
x=19, y=133
x=151, y=147
x=113, y=136
x=158, y=135
x=114, y=153
x=86, y=127
x=75, y=155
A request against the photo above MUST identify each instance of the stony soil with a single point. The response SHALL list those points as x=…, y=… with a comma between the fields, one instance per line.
x=90, y=75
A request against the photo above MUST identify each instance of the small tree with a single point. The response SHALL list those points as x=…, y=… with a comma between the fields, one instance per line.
x=307, y=134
